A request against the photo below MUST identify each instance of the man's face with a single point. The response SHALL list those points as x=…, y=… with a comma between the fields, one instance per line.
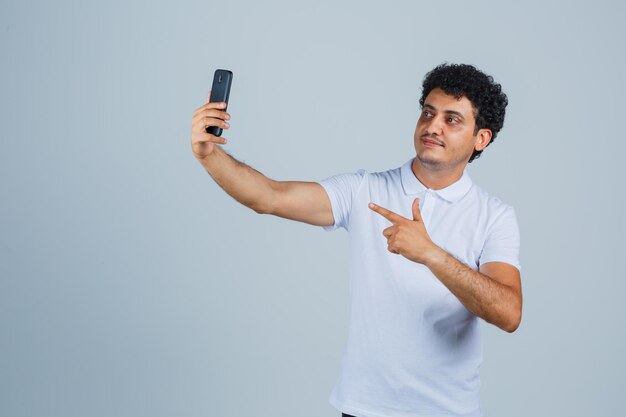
x=450, y=123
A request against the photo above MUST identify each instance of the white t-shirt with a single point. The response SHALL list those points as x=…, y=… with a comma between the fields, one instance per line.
x=413, y=349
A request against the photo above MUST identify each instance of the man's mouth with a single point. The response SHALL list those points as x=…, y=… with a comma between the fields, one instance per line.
x=428, y=141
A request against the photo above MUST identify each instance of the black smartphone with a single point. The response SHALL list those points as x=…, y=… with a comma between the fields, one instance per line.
x=222, y=80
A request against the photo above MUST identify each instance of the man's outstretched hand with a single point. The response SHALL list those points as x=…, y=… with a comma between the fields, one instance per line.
x=209, y=114
x=407, y=237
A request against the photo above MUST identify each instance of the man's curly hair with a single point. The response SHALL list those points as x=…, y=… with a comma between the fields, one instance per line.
x=486, y=96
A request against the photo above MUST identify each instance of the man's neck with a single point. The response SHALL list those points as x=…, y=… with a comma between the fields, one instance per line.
x=436, y=180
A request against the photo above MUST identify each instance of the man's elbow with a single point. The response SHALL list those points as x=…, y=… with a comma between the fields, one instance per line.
x=514, y=316
x=511, y=328
x=514, y=322
x=260, y=210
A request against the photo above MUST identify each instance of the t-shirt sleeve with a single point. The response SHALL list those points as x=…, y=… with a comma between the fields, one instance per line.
x=341, y=190
x=503, y=240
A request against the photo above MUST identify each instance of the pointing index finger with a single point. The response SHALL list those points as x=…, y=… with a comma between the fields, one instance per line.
x=387, y=214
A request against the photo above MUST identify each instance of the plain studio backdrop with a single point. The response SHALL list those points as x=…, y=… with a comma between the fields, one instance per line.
x=132, y=285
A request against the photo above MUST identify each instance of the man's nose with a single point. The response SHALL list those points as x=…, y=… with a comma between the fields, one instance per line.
x=435, y=126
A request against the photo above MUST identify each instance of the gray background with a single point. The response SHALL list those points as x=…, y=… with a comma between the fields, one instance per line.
x=132, y=285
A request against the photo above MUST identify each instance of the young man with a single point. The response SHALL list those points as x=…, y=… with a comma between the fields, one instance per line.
x=431, y=252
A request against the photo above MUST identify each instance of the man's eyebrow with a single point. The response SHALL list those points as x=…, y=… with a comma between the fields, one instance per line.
x=445, y=111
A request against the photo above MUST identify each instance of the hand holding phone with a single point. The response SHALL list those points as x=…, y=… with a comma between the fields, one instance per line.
x=220, y=92
x=210, y=119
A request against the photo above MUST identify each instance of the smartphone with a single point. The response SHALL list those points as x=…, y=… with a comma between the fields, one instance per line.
x=222, y=80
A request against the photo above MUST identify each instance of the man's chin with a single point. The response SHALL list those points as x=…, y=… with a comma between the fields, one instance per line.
x=428, y=160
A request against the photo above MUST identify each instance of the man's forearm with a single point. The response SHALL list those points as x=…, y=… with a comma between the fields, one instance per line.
x=242, y=182
x=496, y=303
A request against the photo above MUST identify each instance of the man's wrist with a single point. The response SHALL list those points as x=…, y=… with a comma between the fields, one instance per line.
x=208, y=160
x=436, y=256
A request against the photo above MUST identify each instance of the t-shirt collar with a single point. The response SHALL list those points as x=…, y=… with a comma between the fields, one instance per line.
x=451, y=193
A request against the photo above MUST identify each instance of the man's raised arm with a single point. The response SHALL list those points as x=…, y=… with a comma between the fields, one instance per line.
x=295, y=200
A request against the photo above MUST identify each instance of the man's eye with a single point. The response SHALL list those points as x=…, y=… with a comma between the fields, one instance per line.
x=427, y=113
x=452, y=120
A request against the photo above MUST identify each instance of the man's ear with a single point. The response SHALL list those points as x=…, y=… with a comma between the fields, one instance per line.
x=483, y=137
